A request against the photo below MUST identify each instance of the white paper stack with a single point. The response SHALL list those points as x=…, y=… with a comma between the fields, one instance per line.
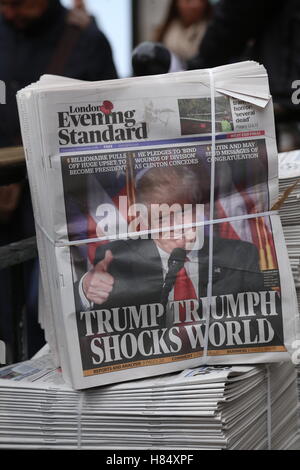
x=289, y=180
x=236, y=407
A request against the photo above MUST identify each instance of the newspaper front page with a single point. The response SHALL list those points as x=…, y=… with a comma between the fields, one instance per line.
x=159, y=247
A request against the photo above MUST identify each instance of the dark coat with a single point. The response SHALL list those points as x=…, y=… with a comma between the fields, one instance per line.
x=264, y=30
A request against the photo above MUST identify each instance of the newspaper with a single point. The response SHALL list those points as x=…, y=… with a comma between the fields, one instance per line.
x=209, y=407
x=289, y=186
x=153, y=197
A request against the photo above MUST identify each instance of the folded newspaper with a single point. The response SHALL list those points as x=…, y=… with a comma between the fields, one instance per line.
x=159, y=249
x=289, y=187
x=221, y=407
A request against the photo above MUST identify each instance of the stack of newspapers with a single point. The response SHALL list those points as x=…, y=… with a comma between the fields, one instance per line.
x=233, y=407
x=159, y=249
x=289, y=186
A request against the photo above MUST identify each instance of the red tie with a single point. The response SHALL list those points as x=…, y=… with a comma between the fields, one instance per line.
x=183, y=289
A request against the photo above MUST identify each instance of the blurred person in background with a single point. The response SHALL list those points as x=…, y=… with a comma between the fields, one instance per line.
x=41, y=36
x=37, y=37
x=184, y=27
x=267, y=31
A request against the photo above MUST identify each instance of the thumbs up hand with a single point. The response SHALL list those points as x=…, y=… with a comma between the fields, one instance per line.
x=98, y=283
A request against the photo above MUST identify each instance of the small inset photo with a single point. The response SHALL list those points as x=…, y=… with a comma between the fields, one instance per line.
x=195, y=115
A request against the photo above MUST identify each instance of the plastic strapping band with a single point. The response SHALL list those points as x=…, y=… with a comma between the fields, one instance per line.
x=39, y=226
x=211, y=210
x=129, y=235
x=79, y=415
x=269, y=408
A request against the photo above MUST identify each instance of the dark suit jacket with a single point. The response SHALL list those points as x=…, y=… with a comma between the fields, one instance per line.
x=272, y=29
x=137, y=270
